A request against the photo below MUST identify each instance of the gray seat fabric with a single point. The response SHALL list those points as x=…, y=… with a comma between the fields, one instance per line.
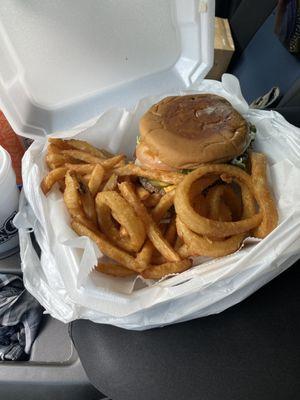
x=226, y=8
x=247, y=18
x=292, y=96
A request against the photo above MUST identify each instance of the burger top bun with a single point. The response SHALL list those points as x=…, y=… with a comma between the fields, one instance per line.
x=185, y=131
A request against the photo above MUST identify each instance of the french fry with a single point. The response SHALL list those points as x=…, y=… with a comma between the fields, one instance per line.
x=86, y=178
x=59, y=143
x=90, y=159
x=152, y=200
x=111, y=184
x=152, y=229
x=168, y=268
x=142, y=193
x=169, y=188
x=171, y=232
x=148, y=250
x=185, y=251
x=263, y=194
x=225, y=203
x=62, y=185
x=145, y=254
x=113, y=161
x=114, y=270
x=123, y=232
x=163, y=205
x=106, y=153
x=54, y=176
x=56, y=160
x=73, y=201
x=107, y=248
x=67, y=144
x=157, y=259
x=120, y=163
x=157, y=215
x=135, y=170
x=179, y=242
x=82, y=156
x=53, y=149
x=87, y=201
x=81, y=169
x=96, y=179
x=87, y=147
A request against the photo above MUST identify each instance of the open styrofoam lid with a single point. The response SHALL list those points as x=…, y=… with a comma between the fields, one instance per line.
x=64, y=62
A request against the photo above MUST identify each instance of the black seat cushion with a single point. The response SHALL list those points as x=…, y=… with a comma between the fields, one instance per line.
x=251, y=351
x=247, y=18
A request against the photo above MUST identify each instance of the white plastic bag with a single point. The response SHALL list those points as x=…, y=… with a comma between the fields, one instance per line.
x=61, y=279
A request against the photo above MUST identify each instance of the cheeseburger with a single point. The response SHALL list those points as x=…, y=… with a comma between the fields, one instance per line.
x=182, y=132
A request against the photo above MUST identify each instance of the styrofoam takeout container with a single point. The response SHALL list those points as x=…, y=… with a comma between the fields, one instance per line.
x=71, y=65
x=9, y=204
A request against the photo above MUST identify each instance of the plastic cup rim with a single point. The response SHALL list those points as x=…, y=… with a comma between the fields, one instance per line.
x=5, y=163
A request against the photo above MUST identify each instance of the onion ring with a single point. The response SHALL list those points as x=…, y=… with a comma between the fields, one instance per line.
x=206, y=226
x=202, y=246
